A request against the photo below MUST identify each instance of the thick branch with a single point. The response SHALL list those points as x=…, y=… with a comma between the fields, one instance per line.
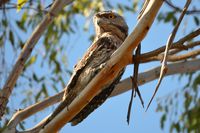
x=23, y=114
x=26, y=52
x=119, y=59
x=152, y=74
x=124, y=86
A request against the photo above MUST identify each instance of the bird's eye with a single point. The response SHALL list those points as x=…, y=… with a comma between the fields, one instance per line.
x=111, y=16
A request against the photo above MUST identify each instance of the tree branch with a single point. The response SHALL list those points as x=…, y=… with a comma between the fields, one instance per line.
x=25, y=113
x=121, y=58
x=174, y=58
x=168, y=45
x=157, y=55
x=152, y=74
x=3, y=2
x=26, y=52
x=124, y=86
x=176, y=45
x=170, y=4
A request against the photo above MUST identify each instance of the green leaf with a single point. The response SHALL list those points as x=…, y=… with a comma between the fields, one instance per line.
x=196, y=82
x=55, y=88
x=162, y=121
x=35, y=77
x=20, y=4
x=4, y=22
x=42, y=91
x=196, y=20
x=1, y=40
x=21, y=23
x=57, y=68
x=53, y=55
x=31, y=61
x=171, y=17
x=11, y=37
x=21, y=125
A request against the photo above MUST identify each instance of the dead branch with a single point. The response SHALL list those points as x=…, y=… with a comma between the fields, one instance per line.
x=26, y=52
x=168, y=45
x=135, y=88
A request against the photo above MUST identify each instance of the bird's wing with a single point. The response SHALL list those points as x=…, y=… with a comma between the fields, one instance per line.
x=87, y=58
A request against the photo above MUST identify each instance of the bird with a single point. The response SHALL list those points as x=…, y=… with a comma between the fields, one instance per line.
x=111, y=30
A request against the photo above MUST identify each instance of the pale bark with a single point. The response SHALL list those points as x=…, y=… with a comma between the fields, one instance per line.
x=124, y=86
x=152, y=74
x=121, y=58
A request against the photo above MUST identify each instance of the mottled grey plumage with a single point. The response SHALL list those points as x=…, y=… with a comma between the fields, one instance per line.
x=111, y=31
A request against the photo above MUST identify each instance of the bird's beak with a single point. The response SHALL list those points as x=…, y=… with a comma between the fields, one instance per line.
x=102, y=22
x=99, y=22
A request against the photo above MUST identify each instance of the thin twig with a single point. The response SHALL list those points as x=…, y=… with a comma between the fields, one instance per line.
x=194, y=11
x=134, y=84
x=168, y=45
x=176, y=45
x=174, y=58
x=157, y=55
x=189, y=45
x=135, y=76
x=26, y=7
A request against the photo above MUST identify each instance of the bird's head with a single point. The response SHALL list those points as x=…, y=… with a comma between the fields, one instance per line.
x=109, y=21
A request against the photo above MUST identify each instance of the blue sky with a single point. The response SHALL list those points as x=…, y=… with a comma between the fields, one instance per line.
x=111, y=116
